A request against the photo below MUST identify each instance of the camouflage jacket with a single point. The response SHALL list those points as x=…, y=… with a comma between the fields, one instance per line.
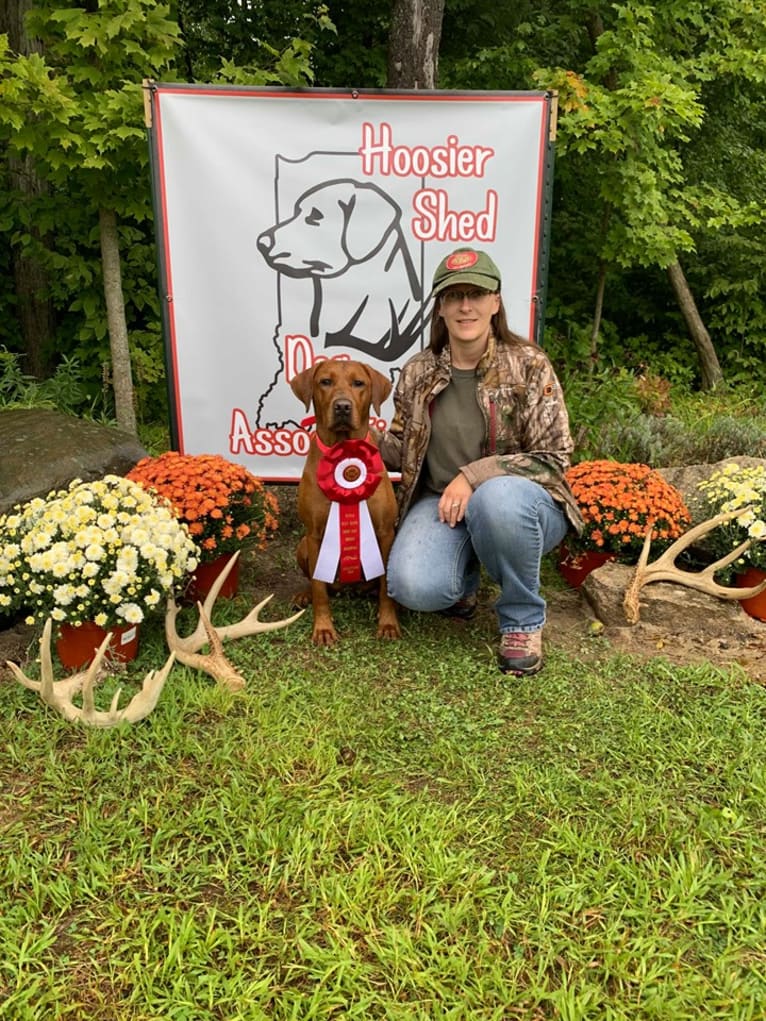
x=526, y=421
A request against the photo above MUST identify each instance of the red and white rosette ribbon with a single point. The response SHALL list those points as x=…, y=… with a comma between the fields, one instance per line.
x=348, y=474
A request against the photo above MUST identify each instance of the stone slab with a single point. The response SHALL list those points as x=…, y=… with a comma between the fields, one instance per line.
x=42, y=449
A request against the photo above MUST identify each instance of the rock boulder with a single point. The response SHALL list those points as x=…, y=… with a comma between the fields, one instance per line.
x=42, y=449
x=687, y=477
x=671, y=616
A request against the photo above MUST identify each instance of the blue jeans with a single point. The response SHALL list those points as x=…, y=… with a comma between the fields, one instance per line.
x=510, y=522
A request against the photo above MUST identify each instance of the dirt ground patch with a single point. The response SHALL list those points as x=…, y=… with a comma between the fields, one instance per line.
x=571, y=623
x=571, y=626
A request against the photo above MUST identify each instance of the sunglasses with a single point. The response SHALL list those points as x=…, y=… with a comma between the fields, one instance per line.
x=473, y=296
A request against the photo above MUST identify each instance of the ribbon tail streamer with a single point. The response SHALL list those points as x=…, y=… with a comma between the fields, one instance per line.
x=329, y=552
x=372, y=561
x=326, y=568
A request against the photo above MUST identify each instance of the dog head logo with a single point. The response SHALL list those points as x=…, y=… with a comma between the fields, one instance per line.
x=344, y=237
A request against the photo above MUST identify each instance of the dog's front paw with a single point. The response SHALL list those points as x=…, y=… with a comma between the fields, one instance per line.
x=302, y=599
x=324, y=634
x=389, y=630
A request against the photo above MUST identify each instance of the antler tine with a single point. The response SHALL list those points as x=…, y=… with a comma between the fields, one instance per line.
x=48, y=689
x=88, y=711
x=251, y=625
x=189, y=644
x=58, y=694
x=218, y=583
x=142, y=703
x=214, y=662
x=665, y=569
x=198, y=637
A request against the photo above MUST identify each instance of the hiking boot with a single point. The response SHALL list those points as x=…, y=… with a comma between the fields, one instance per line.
x=521, y=652
x=463, y=609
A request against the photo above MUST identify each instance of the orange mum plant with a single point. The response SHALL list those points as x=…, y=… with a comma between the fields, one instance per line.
x=619, y=502
x=221, y=502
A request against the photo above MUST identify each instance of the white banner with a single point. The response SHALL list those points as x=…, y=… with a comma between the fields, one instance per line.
x=300, y=225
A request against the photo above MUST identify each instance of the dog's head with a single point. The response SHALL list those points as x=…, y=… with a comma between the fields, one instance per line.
x=342, y=393
x=334, y=226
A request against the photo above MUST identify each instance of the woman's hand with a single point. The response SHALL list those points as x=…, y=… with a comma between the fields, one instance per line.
x=454, y=500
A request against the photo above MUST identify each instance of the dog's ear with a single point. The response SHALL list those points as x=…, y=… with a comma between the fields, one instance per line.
x=302, y=385
x=369, y=216
x=381, y=387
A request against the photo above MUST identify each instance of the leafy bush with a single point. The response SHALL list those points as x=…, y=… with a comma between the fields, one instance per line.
x=593, y=402
x=65, y=390
x=645, y=439
x=668, y=441
x=618, y=415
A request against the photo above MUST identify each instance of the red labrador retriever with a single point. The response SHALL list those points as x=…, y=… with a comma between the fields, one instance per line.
x=342, y=393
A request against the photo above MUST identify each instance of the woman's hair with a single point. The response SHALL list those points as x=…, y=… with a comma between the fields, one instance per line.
x=499, y=324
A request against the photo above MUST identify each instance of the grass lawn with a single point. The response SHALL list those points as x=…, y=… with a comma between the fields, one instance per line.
x=389, y=830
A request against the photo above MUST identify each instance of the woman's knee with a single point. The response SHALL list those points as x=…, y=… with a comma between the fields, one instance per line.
x=414, y=586
x=510, y=507
x=509, y=500
x=420, y=582
x=398, y=575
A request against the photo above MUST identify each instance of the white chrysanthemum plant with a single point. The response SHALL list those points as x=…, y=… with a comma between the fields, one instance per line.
x=737, y=488
x=106, y=552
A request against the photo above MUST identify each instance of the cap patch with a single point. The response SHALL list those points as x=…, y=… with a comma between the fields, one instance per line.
x=461, y=260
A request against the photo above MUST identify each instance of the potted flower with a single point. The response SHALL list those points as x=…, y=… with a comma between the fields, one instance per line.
x=618, y=502
x=742, y=488
x=96, y=556
x=221, y=502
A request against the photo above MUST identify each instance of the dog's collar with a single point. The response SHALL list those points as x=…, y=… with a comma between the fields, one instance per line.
x=326, y=448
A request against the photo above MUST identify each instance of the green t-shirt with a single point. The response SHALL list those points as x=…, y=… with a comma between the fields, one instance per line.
x=457, y=430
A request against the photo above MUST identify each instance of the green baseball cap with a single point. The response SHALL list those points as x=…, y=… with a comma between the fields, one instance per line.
x=466, y=266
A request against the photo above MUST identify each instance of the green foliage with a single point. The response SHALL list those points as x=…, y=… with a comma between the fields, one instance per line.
x=732, y=261
x=633, y=127
x=669, y=441
x=611, y=416
x=499, y=46
x=9, y=325
x=289, y=66
x=66, y=390
x=78, y=112
x=594, y=403
x=357, y=56
x=273, y=42
x=80, y=108
x=636, y=403
x=96, y=60
x=661, y=150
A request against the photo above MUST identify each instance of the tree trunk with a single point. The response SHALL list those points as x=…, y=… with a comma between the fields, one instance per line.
x=710, y=369
x=122, y=377
x=413, y=44
x=598, y=311
x=31, y=283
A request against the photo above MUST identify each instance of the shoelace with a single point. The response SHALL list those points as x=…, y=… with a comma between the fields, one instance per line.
x=515, y=641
